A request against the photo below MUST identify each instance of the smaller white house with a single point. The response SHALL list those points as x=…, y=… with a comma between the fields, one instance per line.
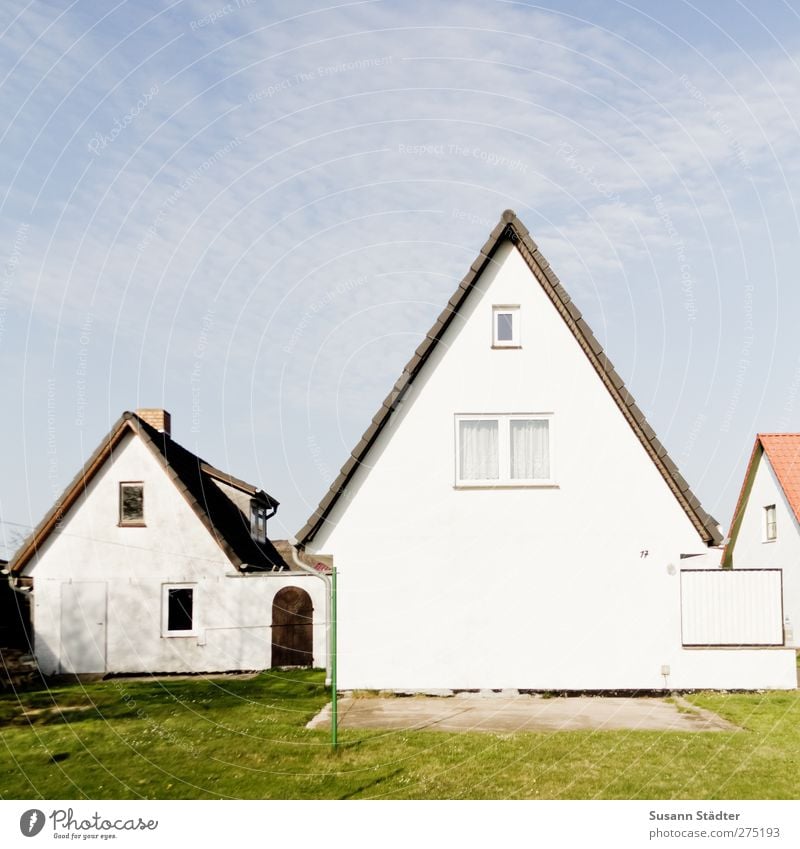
x=765, y=530
x=154, y=561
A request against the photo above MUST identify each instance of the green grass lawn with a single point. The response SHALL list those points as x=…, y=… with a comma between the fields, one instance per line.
x=246, y=739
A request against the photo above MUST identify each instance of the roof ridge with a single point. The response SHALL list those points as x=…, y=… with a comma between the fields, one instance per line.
x=778, y=433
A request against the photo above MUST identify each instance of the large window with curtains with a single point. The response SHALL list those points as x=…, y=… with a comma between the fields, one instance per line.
x=504, y=450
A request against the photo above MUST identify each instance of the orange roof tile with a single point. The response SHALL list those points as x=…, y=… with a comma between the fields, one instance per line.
x=783, y=450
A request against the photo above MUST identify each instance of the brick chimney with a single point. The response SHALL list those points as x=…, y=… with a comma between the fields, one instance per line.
x=158, y=419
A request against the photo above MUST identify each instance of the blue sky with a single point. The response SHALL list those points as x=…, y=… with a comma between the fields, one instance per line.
x=250, y=213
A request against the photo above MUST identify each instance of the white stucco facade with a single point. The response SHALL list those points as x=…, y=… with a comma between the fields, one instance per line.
x=752, y=550
x=573, y=585
x=99, y=589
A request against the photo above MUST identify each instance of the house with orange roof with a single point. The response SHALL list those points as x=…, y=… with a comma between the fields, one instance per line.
x=765, y=530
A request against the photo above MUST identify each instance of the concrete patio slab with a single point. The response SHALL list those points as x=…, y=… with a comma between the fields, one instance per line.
x=507, y=714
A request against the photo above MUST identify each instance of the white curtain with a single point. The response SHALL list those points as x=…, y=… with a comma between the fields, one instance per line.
x=479, y=450
x=530, y=449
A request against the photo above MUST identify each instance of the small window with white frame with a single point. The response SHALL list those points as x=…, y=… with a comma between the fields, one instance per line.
x=178, y=610
x=504, y=450
x=505, y=327
x=770, y=524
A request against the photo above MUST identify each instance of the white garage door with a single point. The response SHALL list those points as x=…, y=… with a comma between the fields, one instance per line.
x=731, y=607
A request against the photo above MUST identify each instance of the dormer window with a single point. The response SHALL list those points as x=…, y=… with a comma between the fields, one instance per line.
x=258, y=521
x=505, y=327
x=131, y=504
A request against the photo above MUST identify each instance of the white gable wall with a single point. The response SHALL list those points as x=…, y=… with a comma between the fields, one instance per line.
x=751, y=551
x=233, y=612
x=525, y=587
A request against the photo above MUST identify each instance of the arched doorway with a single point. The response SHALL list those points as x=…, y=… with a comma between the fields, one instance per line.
x=292, y=633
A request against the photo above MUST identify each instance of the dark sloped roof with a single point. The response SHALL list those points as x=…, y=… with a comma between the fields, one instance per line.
x=194, y=478
x=511, y=229
x=230, y=527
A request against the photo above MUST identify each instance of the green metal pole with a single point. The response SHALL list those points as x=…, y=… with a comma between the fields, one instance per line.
x=334, y=706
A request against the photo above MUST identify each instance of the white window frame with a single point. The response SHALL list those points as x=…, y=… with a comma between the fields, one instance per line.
x=770, y=525
x=515, y=341
x=165, y=632
x=504, y=452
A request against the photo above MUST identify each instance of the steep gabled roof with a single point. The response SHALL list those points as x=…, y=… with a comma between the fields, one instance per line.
x=511, y=229
x=193, y=477
x=783, y=453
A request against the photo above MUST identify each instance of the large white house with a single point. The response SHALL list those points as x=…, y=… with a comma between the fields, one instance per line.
x=765, y=530
x=510, y=520
x=155, y=561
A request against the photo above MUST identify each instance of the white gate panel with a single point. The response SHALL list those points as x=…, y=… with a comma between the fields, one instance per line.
x=83, y=627
x=732, y=607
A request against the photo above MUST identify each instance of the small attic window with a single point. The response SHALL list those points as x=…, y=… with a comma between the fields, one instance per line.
x=770, y=524
x=258, y=521
x=131, y=503
x=505, y=327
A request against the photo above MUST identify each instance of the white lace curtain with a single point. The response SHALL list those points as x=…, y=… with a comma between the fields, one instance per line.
x=530, y=449
x=479, y=458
